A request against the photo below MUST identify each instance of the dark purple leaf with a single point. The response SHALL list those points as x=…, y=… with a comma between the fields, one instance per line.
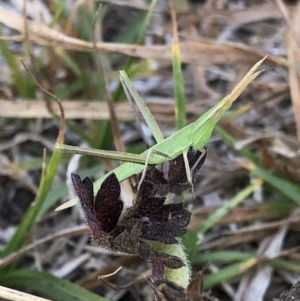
x=136, y=246
x=158, y=269
x=181, y=217
x=293, y=294
x=145, y=203
x=157, y=177
x=166, y=210
x=84, y=191
x=149, y=218
x=102, y=212
x=166, y=231
x=166, y=290
x=175, y=180
x=107, y=205
x=159, y=231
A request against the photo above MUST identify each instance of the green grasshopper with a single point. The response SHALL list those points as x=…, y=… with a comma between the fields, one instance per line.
x=195, y=135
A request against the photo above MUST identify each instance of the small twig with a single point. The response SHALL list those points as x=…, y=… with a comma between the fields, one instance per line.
x=111, y=274
x=144, y=277
x=26, y=34
x=60, y=138
x=28, y=45
x=14, y=295
x=74, y=231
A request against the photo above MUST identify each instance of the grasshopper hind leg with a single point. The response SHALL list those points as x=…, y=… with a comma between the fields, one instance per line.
x=203, y=151
x=147, y=163
x=190, y=170
x=144, y=171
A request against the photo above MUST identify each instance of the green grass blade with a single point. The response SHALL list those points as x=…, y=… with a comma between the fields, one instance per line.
x=69, y=62
x=119, y=92
x=146, y=22
x=33, y=211
x=180, y=103
x=247, y=260
x=58, y=13
x=293, y=266
x=17, y=76
x=228, y=272
x=193, y=238
x=227, y=207
x=46, y=284
x=233, y=270
x=223, y=256
x=230, y=140
x=180, y=107
x=52, y=198
x=286, y=187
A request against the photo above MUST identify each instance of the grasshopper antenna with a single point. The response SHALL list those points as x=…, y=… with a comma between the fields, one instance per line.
x=138, y=122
